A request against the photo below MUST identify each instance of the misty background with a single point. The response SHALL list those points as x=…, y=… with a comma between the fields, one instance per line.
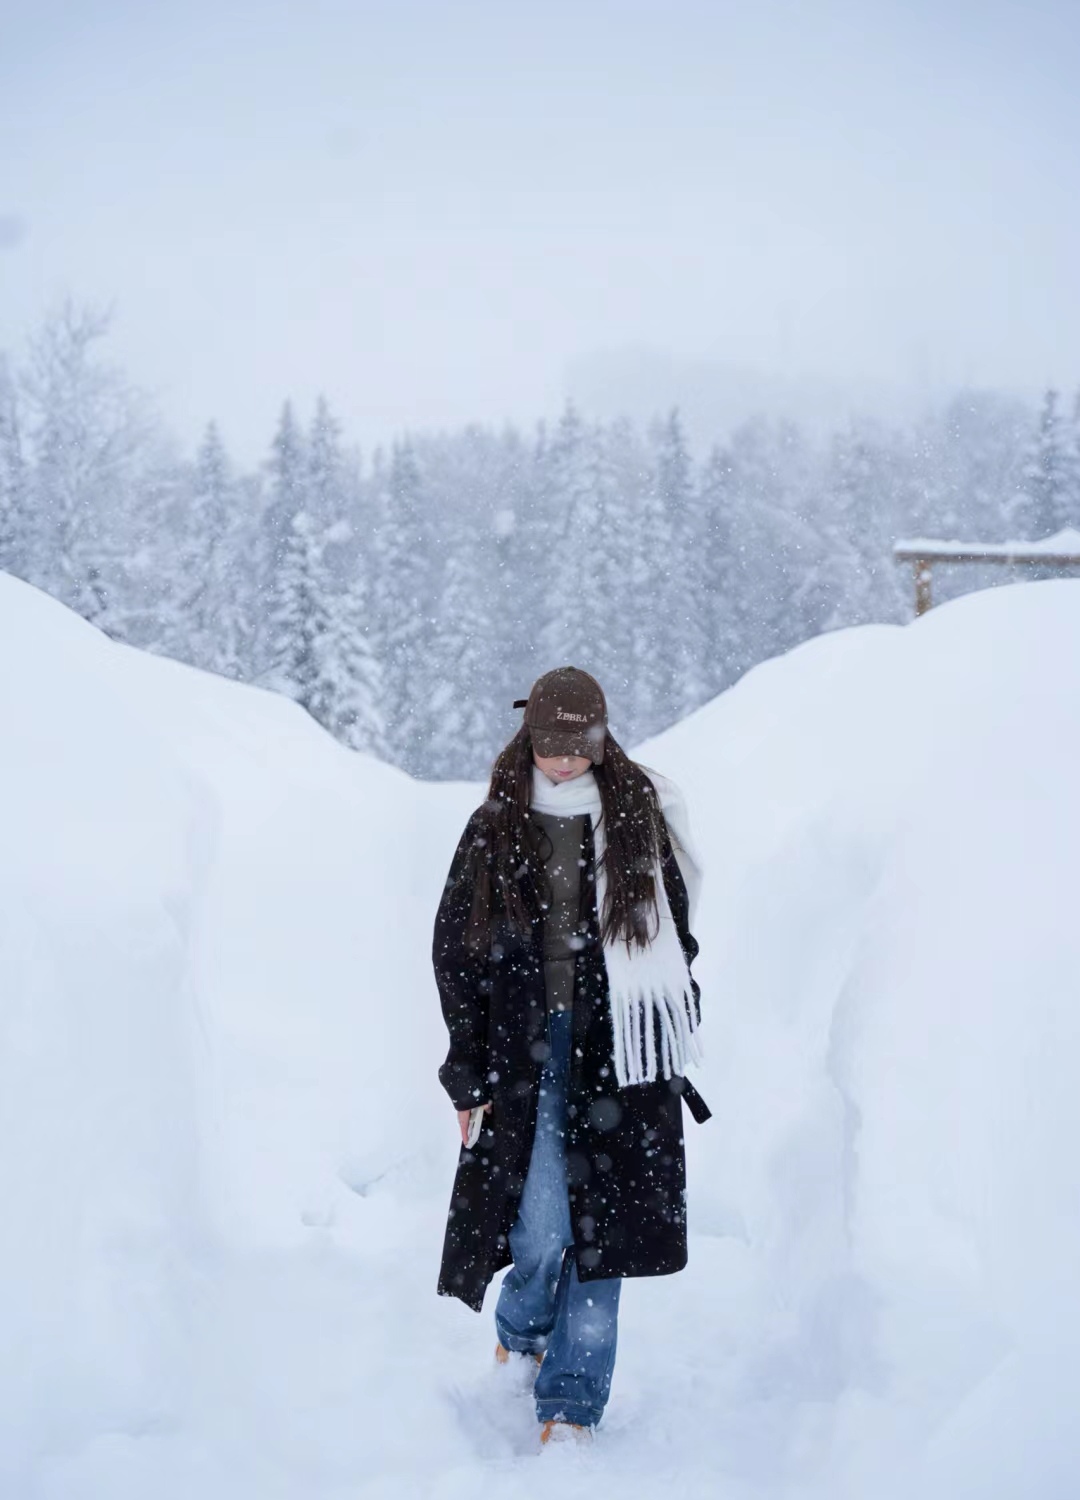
x=387, y=355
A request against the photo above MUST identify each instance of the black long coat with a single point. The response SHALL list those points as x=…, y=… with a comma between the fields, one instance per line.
x=626, y=1168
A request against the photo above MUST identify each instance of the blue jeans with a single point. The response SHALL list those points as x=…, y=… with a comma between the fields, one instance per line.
x=542, y=1306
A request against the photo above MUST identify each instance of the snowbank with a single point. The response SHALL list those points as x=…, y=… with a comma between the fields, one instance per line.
x=224, y=1159
x=104, y=842
x=894, y=822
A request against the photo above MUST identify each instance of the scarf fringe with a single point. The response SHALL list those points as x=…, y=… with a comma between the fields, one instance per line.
x=640, y=1021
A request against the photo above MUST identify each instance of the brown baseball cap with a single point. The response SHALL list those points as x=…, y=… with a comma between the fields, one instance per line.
x=567, y=714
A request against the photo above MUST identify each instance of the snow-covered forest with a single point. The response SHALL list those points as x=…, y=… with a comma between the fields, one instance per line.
x=406, y=596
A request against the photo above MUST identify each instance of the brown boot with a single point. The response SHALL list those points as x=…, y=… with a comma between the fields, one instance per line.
x=562, y=1432
x=502, y=1356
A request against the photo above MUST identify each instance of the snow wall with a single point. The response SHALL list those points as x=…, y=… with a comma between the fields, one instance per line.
x=225, y=1159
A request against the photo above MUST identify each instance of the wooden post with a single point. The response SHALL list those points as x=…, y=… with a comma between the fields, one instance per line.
x=923, y=600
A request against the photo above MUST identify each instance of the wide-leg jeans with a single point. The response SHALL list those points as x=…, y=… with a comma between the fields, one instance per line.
x=543, y=1308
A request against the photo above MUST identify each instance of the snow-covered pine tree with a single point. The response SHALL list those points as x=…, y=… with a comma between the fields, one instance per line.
x=14, y=519
x=587, y=532
x=203, y=584
x=576, y=534
x=653, y=582
x=325, y=481
x=769, y=552
x=964, y=470
x=1070, y=508
x=403, y=600
x=517, y=586
x=350, y=670
x=532, y=564
x=349, y=663
x=1046, y=473
x=88, y=434
x=848, y=497
x=300, y=625
x=492, y=591
x=237, y=639
x=514, y=528
x=726, y=623
x=618, y=471
x=147, y=532
x=963, y=478
x=689, y=584
x=285, y=501
x=857, y=517
x=459, y=699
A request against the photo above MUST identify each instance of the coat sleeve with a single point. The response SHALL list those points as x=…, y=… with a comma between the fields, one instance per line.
x=462, y=981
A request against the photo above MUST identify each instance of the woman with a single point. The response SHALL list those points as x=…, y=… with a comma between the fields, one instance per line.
x=562, y=954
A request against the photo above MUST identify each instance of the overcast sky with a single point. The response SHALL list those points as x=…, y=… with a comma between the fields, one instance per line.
x=428, y=210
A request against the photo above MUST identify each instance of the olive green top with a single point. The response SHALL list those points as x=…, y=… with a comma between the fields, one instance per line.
x=563, y=868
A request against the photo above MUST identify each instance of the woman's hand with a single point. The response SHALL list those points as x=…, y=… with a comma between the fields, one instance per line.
x=463, y=1122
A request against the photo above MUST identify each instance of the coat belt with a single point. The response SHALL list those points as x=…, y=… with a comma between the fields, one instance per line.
x=695, y=1103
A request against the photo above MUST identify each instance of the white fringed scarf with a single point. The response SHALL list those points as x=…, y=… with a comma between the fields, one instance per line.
x=650, y=984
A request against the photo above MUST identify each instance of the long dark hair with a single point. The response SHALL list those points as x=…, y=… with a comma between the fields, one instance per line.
x=506, y=867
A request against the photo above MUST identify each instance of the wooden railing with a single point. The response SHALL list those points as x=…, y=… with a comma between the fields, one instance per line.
x=1060, y=551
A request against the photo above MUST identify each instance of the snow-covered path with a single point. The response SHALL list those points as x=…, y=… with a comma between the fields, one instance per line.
x=330, y=1372
x=225, y=1159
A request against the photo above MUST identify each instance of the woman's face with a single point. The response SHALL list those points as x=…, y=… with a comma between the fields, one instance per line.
x=562, y=767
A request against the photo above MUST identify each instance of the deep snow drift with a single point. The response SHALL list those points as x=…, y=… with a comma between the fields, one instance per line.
x=225, y=1159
